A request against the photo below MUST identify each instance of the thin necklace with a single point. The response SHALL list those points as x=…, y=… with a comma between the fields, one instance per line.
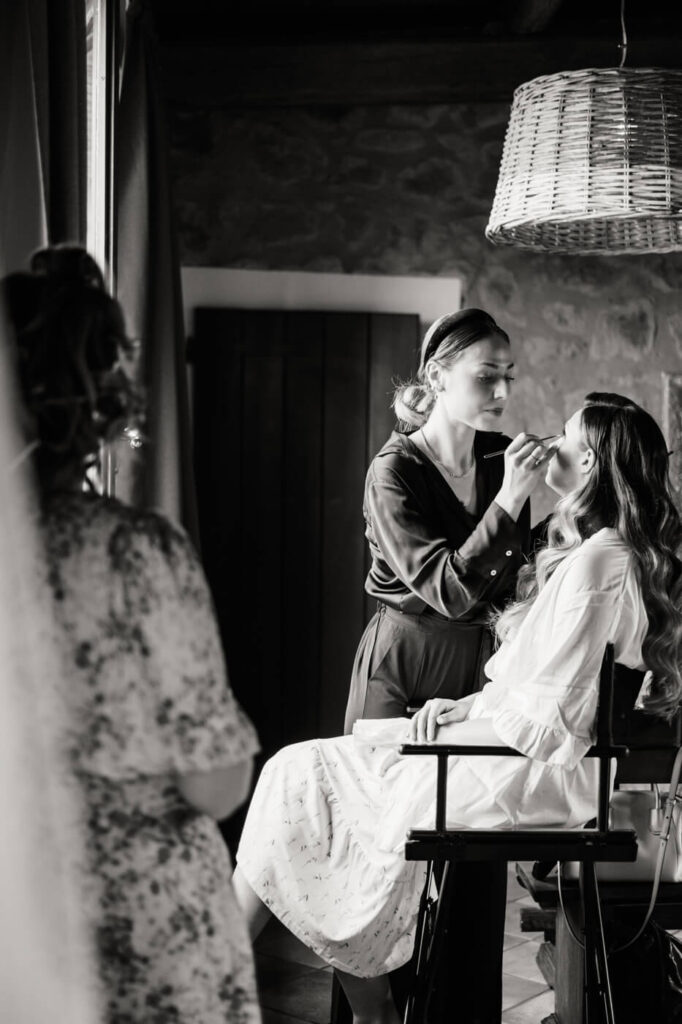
x=450, y=472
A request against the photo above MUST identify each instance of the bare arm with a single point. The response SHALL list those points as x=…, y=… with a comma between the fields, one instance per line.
x=217, y=793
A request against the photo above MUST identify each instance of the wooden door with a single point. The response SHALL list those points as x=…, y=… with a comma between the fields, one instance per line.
x=289, y=409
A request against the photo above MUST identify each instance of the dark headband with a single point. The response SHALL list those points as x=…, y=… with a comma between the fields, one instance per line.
x=473, y=324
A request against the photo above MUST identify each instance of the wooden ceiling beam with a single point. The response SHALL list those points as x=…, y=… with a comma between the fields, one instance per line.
x=242, y=74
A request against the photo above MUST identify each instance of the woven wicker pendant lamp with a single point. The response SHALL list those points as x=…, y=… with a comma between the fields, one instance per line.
x=592, y=163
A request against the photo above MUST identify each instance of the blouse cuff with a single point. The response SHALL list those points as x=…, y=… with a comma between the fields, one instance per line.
x=540, y=742
x=495, y=544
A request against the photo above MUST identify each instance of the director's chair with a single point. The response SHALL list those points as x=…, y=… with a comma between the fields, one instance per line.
x=442, y=848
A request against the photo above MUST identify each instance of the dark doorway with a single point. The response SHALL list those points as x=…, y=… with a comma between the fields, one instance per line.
x=289, y=408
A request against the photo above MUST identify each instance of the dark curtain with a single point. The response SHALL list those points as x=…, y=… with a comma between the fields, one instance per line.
x=42, y=126
x=148, y=282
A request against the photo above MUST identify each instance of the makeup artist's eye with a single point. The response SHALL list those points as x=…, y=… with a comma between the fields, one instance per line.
x=490, y=378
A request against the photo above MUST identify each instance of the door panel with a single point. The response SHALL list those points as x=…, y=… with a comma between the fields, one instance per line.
x=343, y=545
x=289, y=408
x=300, y=532
x=394, y=345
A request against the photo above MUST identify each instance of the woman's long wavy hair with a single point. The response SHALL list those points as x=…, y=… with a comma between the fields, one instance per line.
x=629, y=490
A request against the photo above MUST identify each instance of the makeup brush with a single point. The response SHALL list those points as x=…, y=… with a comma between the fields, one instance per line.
x=501, y=451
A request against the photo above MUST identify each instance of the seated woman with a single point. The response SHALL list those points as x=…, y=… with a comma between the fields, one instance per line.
x=322, y=847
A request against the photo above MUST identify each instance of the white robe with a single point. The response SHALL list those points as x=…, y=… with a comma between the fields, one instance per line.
x=323, y=841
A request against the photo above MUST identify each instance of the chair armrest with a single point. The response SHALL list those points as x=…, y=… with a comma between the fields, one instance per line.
x=458, y=749
x=462, y=750
x=604, y=749
x=445, y=750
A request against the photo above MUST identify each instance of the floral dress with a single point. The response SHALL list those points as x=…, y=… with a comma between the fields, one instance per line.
x=148, y=701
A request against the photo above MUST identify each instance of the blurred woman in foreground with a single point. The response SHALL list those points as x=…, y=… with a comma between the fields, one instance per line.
x=158, y=744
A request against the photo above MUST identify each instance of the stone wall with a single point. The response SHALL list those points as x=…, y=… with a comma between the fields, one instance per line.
x=408, y=190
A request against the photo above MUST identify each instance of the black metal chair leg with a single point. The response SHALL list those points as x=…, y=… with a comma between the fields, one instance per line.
x=415, y=1008
x=598, y=999
x=430, y=930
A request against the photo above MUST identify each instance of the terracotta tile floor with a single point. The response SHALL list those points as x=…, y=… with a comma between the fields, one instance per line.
x=295, y=985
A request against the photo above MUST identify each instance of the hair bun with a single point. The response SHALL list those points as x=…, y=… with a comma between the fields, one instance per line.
x=412, y=403
x=67, y=265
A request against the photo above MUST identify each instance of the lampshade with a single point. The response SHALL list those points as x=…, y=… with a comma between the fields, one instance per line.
x=592, y=163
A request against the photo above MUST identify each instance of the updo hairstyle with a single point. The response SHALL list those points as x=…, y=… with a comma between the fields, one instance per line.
x=445, y=339
x=69, y=337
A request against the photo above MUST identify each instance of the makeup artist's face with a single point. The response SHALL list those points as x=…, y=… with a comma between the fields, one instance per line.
x=573, y=460
x=477, y=383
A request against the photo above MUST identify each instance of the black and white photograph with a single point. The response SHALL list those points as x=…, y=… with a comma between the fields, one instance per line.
x=341, y=512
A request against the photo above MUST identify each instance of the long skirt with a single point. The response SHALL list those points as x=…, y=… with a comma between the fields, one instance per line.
x=323, y=845
x=403, y=660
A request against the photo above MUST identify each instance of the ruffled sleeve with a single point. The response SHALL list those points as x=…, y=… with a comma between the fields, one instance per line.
x=152, y=664
x=548, y=712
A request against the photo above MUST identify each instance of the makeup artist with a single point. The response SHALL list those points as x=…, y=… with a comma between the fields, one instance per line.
x=448, y=525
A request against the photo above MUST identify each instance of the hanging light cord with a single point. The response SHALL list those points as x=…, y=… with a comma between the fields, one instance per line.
x=624, y=35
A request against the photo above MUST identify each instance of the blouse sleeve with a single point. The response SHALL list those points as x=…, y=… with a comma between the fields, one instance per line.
x=549, y=710
x=161, y=696
x=449, y=580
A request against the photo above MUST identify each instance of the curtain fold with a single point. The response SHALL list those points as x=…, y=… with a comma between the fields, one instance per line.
x=148, y=283
x=42, y=126
x=47, y=968
x=67, y=115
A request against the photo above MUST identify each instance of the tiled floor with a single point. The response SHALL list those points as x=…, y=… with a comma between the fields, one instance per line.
x=295, y=985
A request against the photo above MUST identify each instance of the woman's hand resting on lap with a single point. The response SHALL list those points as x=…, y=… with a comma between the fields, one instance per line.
x=437, y=711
